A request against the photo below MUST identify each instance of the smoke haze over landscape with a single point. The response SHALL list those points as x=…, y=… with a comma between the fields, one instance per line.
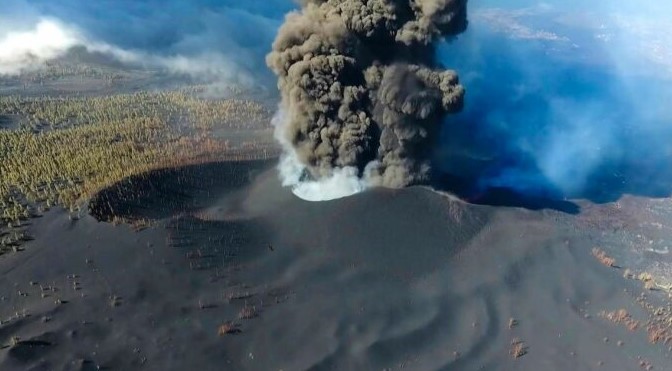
x=210, y=40
x=563, y=100
x=580, y=108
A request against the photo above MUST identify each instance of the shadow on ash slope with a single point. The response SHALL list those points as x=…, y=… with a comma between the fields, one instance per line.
x=383, y=279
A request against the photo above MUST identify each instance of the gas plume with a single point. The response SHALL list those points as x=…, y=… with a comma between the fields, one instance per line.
x=362, y=92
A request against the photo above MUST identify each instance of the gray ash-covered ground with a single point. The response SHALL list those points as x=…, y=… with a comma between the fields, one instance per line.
x=241, y=275
x=636, y=231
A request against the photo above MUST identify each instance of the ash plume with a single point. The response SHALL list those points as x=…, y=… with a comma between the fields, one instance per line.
x=362, y=93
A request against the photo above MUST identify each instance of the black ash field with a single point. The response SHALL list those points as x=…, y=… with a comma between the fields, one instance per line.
x=235, y=272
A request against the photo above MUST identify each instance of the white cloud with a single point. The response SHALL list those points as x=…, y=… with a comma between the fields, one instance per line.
x=28, y=49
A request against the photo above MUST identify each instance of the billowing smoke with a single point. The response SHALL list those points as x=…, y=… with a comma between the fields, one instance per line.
x=362, y=93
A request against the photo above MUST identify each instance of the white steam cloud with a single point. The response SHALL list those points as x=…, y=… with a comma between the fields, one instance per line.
x=342, y=182
x=30, y=48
